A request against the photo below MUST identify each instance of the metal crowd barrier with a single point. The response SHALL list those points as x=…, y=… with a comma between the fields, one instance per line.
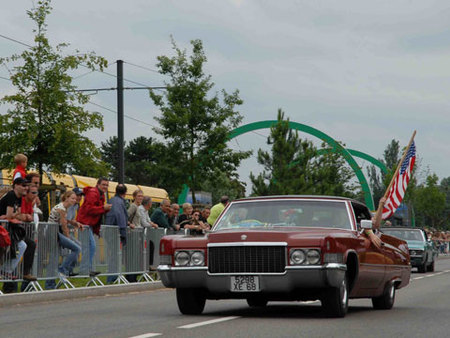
x=138, y=258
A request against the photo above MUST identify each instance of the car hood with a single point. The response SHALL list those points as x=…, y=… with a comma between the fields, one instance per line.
x=418, y=245
x=291, y=235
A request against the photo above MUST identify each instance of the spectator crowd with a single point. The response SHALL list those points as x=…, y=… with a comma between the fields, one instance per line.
x=84, y=210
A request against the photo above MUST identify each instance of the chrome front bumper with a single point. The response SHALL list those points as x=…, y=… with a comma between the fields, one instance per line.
x=295, y=277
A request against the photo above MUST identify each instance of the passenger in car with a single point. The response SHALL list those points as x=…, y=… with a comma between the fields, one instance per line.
x=376, y=222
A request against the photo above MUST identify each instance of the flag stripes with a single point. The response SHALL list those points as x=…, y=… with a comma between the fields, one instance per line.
x=398, y=188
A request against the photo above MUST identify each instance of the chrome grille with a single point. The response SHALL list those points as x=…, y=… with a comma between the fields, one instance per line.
x=247, y=259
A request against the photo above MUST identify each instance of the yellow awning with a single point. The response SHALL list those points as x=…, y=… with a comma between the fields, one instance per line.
x=84, y=181
x=64, y=179
x=156, y=194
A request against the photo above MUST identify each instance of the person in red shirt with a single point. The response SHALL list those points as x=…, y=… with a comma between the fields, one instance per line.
x=91, y=212
x=28, y=202
x=21, y=162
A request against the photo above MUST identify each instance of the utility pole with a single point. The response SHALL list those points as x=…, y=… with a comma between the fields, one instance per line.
x=120, y=122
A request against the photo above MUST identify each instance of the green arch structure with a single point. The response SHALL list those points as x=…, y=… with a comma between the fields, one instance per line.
x=335, y=147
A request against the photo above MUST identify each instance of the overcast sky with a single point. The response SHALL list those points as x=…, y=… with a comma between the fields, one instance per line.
x=362, y=72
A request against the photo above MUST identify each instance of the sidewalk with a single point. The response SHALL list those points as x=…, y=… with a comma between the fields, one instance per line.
x=72, y=294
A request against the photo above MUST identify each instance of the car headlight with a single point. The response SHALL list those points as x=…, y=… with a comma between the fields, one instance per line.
x=182, y=258
x=297, y=257
x=312, y=257
x=197, y=258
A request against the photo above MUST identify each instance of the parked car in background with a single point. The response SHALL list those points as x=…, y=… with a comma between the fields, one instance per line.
x=285, y=248
x=422, y=251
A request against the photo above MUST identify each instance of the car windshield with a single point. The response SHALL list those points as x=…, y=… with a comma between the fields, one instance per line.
x=407, y=235
x=293, y=213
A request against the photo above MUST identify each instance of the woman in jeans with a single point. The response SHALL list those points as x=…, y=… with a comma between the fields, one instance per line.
x=58, y=215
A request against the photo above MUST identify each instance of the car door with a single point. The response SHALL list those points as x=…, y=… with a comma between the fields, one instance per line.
x=372, y=260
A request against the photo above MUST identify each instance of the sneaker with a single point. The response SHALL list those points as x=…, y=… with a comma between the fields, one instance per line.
x=93, y=273
x=73, y=274
x=30, y=278
x=62, y=276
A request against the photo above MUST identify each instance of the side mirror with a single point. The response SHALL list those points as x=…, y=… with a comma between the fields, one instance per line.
x=366, y=224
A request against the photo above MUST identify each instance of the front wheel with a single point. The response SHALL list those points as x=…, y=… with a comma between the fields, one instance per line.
x=386, y=300
x=335, y=301
x=430, y=268
x=190, y=301
x=257, y=302
x=423, y=267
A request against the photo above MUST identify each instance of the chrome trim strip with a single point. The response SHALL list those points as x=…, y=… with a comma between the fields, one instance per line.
x=318, y=267
x=387, y=265
x=181, y=268
x=211, y=245
x=247, y=274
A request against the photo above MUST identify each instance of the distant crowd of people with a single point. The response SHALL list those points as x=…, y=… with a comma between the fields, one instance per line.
x=440, y=238
x=85, y=210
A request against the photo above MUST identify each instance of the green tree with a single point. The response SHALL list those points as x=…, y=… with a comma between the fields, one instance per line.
x=445, y=188
x=222, y=184
x=147, y=162
x=45, y=118
x=379, y=182
x=110, y=155
x=194, y=122
x=430, y=203
x=294, y=167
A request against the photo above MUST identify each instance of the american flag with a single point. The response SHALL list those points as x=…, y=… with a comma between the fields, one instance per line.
x=398, y=189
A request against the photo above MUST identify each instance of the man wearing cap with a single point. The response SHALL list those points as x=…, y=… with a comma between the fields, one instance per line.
x=217, y=210
x=10, y=210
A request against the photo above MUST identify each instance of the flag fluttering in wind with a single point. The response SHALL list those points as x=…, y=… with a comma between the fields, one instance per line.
x=400, y=181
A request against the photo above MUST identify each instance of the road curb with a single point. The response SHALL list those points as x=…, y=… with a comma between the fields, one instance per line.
x=67, y=294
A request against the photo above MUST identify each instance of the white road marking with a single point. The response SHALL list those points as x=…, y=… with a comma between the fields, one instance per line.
x=213, y=321
x=432, y=275
x=147, y=335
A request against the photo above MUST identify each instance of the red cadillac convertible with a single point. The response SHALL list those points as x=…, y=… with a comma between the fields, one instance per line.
x=286, y=248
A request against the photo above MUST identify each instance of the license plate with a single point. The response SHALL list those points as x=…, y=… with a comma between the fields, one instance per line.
x=244, y=284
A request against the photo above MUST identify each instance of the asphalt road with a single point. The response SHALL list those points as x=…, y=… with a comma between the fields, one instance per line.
x=422, y=309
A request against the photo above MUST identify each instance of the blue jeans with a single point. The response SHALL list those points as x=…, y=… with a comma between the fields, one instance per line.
x=10, y=266
x=69, y=261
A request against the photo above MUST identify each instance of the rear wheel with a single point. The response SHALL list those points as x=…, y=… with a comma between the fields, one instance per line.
x=386, y=300
x=335, y=301
x=190, y=301
x=257, y=302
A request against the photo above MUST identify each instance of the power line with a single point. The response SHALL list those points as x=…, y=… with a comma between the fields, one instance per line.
x=142, y=67
x=14, y=40
x=95, y=70
x=115, y=112
x=5, y=78
x=80, y=76
x=254, y=132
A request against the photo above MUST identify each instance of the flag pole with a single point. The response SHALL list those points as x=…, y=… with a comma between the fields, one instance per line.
x=377, y=217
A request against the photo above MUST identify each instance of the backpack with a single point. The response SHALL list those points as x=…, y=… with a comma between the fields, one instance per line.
x=5, y=240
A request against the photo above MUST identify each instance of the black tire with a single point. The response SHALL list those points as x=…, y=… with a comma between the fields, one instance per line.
x=190, y=301
x=430, y=268
x=423, y=268
x=335, y=301
x=386, y=300
x=257, y=302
